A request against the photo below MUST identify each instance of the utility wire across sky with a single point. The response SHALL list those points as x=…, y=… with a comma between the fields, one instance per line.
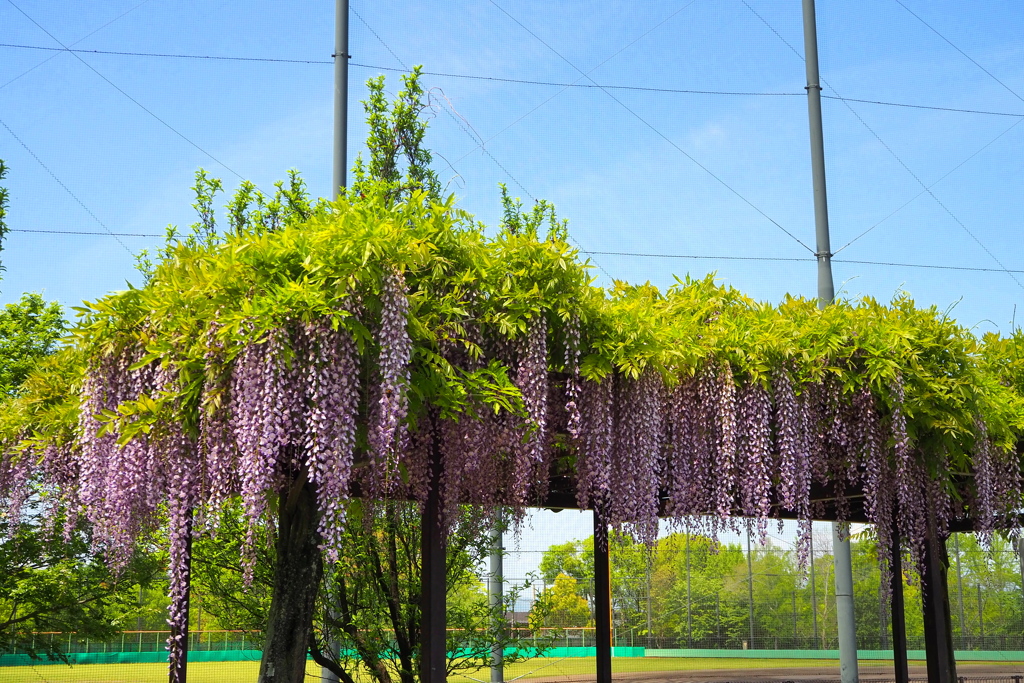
x=521, y=81
x=926, y=188
x=120, y=90
x=634, y=254
x=578, y=83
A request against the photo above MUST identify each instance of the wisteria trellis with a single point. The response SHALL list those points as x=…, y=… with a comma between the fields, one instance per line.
x=348, y=348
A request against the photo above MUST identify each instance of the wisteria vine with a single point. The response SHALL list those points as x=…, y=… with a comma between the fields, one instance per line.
x=357, y=365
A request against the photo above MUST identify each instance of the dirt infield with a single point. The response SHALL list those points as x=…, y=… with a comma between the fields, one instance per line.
x=873, y=673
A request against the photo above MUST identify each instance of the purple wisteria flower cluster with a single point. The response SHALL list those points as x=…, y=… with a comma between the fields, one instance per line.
x=316, y=399
x=386, y=433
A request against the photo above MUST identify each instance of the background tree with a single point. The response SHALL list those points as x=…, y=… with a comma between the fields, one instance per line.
x=394, y=350
x=51, y=578
x=560, y=606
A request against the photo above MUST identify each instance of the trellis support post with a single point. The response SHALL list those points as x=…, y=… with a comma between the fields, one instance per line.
x=898, y=616
x=433, y=585
x=495, y=594
x=938, y=618
x=602, y=597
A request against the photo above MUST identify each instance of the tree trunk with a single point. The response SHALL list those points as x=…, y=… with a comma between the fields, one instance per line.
x=177, y=656
x=296, y=582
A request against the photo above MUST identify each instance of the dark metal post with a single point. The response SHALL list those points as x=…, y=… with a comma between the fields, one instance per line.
x=433, y=665
x=602, y=598
x=898, y=616
x=938, y=621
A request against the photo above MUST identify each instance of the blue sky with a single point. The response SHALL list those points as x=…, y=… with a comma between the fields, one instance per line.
x=617, y=174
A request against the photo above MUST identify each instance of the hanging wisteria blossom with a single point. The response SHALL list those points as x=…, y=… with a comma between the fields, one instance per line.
x=393, y=349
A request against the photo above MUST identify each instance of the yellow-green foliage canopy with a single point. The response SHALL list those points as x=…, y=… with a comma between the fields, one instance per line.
x=274, y=352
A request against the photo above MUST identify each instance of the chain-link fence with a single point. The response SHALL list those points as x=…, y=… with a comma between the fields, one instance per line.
x=688, y=593
x=687, y=604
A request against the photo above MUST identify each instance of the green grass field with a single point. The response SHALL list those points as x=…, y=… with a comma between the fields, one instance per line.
x=245, y=672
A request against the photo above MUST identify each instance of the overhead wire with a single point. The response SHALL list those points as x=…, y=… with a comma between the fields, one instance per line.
x=922, y=192
x=805, y=259
x=87, y=35
x=892, y=152
x=454, y=118
x=634, y=254
x=66, y=188
x=576, y=84
x=955, y=47
x=123, y=92
x=473, y=137
x=520, y=81
x=656, y=131
x=86, y=232
x=169, y=55
x=586, y=75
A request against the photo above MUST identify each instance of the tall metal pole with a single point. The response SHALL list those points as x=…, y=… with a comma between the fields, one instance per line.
x=340, y=95
x=843, y=558
x=814, y=595
x=826, y=290
x=496, y=599
x=339, y=159
x=845, y=624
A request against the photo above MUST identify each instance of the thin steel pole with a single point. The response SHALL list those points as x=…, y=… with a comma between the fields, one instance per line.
x=981, y=617
x=338, y=173
x=650, y=615
x=341, y=57
x=689, y=611
x=959, y=587
x=841, y=552
x=1020, y=557
x=845, y=624
x=826, y=290
x=339, y=160
x=814, y=594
